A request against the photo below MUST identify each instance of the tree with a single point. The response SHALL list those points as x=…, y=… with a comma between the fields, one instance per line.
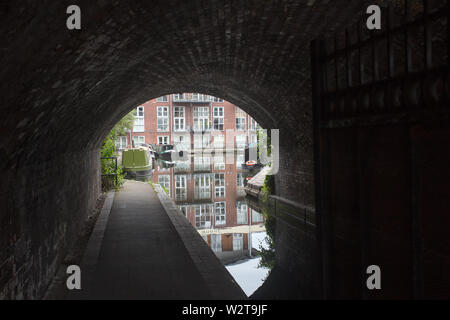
x=108, y=150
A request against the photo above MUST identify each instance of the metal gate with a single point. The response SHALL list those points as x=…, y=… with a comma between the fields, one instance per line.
x=382, y=153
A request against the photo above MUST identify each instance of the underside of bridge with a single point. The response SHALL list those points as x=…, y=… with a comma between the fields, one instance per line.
x=63, y=90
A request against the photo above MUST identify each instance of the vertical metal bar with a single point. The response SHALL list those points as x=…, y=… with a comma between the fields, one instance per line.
x=448, y=34
x=347, y=59
x=359, y=53
x=416, y=225
x=364, y=231
x=408, y=53
x=116, y=170
x=390, y=48
x=390, y=58
x=375, y=66
x=428, y=63
x=336, y=62
x=318, y=63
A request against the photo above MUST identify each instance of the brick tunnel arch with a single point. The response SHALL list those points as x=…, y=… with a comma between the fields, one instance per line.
x=62, y=91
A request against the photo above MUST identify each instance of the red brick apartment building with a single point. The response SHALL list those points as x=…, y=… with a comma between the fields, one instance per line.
x=174, y=119
x=206, y=188
x=210, y=193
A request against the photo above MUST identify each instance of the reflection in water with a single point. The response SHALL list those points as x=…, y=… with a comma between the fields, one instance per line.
x=209, y=191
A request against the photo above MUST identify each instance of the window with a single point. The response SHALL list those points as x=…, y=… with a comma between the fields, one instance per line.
x=240, y=119
x=219, y=142
x=218, y=118
x=202, y=164
x=241, y=212
x=178, y=119
x=163, y=99
x=139, y=120
x=201, y=141
x=164, y=181
x=240, y=159
x=216, y=242
x=256, y=216
x=239, y=180
x=202, y=215
x=219, y=162
x=163, y=140
x=219, y=185
x=252, y=124
x=121, y=143
x=182, y=142
x=180, y=188
x=201, y=118
x=240, y=142
x=138, y=140
x=163, y=118
x=202, y=186
x=238, y=241
x=240, y=124
x=220, y=213
x=182, y=166
x=178, y=97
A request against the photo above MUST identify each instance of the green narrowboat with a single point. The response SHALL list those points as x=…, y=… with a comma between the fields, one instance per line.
x=137, y=162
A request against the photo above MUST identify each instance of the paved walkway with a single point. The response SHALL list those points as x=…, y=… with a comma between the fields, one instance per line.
x=136, y=252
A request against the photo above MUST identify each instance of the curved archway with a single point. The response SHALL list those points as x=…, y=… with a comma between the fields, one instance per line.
x=62, y=91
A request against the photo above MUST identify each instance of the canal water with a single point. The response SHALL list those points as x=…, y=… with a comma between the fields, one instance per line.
x=209, y=191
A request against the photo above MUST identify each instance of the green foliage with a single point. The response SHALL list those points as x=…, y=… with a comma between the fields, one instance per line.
x=108, y=150
x=165, y=189
x=262, y=136
x=268, y=188
x=268, y=255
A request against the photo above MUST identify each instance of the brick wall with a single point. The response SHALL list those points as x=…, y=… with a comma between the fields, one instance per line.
x=62, y=91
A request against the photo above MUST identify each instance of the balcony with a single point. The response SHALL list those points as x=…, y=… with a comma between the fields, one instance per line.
x=193, y=97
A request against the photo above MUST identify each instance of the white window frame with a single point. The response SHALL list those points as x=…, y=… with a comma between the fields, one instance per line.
x=219, y=162
x=138, y=140
x=200, y=118
x=202, y=163
x=179, y=122
x=219, y=115
x=202, y=186
x=180, y=188
x=238, y=241
x=256, y=216
x=162, y=115
x=202, y=141
x=121, y=142
x=139, y=120
x=216, y=242
x=219, y=185
x=163, y=140
x=202, y=215
x=240, y=159
x=163, y=99
x=220, y=213
x=219, y=142
x=164, y=180
x=241, y=212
